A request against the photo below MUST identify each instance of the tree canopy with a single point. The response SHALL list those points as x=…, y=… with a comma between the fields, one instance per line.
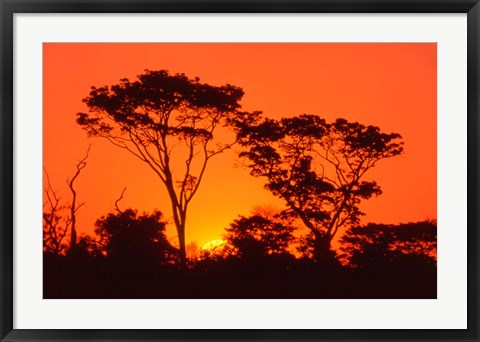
x=317, y=167
x=164, y=119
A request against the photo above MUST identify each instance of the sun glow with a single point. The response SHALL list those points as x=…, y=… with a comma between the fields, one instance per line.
x=214, y=245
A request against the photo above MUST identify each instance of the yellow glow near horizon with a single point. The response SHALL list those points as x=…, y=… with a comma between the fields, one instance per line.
x=213, y=245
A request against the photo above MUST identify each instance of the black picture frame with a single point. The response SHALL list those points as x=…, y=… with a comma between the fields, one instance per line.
x=9, y=7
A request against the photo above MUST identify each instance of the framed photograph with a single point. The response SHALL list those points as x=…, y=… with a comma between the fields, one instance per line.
x=239, y=170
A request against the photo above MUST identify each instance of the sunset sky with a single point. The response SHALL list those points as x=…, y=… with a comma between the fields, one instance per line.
x=392, y=86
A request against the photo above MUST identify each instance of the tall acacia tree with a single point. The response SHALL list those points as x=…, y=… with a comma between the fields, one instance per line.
x=160, y=118
x=317, y=168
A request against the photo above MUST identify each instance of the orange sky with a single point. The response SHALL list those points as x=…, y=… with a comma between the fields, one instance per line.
x=392, y=86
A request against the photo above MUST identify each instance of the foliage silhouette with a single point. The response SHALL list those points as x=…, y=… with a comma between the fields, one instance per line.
x=317, y=168
x=379, y=245
x=129, y=238
x=258, y=236
x=133, y=259
x=160, y=118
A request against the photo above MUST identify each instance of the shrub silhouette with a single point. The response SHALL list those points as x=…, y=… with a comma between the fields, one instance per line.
x=257, y=236
x=374, y=246
x=135, y=240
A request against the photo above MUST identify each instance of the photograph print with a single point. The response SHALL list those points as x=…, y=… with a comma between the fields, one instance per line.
x=239, y=171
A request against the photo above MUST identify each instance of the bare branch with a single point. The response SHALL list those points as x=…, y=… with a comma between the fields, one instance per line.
x=74, y=207
x=118, y=201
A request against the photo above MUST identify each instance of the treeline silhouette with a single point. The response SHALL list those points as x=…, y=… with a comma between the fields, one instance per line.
x=260, y=257
x=317, y=168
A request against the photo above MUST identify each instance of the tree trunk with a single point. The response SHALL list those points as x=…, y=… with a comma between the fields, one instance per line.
x=73, y=231
x=181, y=241
x=179, y=217
x=322, y=248
x=73, y=238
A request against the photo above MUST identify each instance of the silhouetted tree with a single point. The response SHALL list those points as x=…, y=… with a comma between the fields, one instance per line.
x=317, y=168
x=74, y=206
x=258, y=236
x=153, y=117
x=56, y=222
x=132, y=239
x=378, y=245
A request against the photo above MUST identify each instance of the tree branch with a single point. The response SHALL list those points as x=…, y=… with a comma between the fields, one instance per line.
x=118, y=201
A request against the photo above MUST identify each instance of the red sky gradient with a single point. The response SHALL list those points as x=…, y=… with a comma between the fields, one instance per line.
x=392, y=86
